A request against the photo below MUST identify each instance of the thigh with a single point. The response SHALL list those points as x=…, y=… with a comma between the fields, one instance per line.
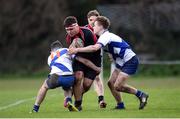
x=114, y=76
x=78, y=69
x=89, y=73
x=87, y=83
x=44, y=85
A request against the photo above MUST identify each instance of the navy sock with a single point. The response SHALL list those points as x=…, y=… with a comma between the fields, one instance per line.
x=36, y=108
x=78, y=103
x=139, y=93
x=120, y=105
x=68, y=99
x=100, y=98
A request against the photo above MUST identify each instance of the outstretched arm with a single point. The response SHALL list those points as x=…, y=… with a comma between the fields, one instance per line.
x=90, y=48
x=88, y=63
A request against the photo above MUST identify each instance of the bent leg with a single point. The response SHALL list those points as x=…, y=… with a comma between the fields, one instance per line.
x=40, y=97
x=99, y=88
x=77, y=89
x=111, y=82
x=87, y=84
x=120, y=84
x=41, y=94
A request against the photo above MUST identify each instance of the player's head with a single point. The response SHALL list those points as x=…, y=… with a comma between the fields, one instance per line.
x=101, y=23
x=56, y=45
x=91, y=16
x=71, y=25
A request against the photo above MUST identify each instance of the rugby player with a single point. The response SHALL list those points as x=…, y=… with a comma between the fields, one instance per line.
x=98, y=83
x=61, y=75
x=82, y=72
x=125, y=59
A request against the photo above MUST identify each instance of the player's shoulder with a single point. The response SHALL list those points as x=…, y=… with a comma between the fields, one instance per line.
x=105, y=35
x=62, y=51
x=89, y=27
x=86, y=30
x=88, y=34
x=110, y=35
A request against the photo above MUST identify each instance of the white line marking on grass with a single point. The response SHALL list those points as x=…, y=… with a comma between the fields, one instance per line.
x=16, y=103
x=19, y=102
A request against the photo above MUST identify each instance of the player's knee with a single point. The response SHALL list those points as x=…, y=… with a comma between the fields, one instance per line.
x=119, y=87
x=79, y=75
x=110, y=83
x=97, y=79
x=77, y=82
x=116, y=87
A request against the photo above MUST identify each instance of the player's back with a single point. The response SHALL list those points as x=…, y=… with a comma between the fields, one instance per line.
x=60, y=62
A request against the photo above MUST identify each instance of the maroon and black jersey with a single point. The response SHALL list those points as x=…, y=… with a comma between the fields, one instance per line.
x=91, y=28
x=89, y=38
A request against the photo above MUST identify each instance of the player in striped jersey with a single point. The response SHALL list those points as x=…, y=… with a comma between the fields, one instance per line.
x=61, y=75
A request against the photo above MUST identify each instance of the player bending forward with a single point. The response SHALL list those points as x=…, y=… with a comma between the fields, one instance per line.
x=61, y=75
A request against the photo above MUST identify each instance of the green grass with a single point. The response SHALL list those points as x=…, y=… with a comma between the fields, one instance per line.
x=163, y=101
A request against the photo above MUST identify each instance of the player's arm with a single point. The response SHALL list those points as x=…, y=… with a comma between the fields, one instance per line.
x=90, y=48
x=88, y=63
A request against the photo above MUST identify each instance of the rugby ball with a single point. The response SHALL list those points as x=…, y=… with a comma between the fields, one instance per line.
x=77, y=43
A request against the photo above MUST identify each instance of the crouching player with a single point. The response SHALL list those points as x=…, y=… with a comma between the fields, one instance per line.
x=61, y=75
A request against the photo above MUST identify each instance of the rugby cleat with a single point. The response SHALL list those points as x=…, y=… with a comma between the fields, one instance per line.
x=102, y=104
x=65, y=103
x=33, y=111
x=66, y=100
x=119, y=108
x=143, y=100
x=79, y=108
x=71, y=107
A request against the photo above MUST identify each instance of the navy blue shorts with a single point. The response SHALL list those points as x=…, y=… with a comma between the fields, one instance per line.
x=130, y=67
x=66, y=81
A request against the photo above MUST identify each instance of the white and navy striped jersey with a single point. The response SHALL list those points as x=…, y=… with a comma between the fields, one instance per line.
x=120, y=50
x=60, y=62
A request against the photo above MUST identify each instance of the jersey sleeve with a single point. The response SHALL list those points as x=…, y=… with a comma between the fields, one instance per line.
x=103, y=40
x=73, y=56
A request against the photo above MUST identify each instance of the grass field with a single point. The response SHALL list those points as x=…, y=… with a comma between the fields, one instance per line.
x=17, y=98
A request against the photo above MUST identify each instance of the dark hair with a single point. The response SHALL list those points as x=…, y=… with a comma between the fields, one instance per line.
x=92, y=13
x=69, y=21
x=56, y=45
x=104, y=21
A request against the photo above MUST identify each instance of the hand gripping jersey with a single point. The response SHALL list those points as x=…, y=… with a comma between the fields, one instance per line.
x=60, y=62
x=120, y=50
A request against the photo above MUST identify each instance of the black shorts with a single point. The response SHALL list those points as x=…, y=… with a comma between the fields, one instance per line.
x=88, y=72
